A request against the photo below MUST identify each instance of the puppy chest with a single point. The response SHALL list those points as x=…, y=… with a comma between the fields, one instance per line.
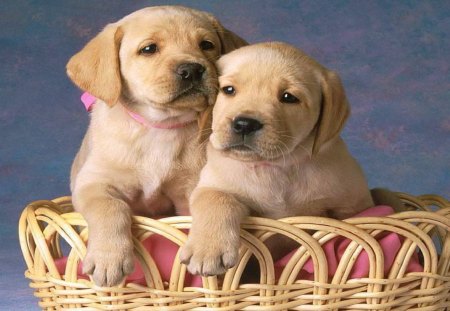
x=267, y=195
x=150, y=159
x=276, y=194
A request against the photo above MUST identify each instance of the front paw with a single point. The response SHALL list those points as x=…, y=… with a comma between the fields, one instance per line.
x=110, y=263
x=206, y=257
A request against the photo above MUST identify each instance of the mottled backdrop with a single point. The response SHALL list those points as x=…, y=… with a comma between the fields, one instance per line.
x=393, y=58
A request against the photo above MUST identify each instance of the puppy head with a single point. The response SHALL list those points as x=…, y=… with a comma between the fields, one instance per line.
x=158, y=58
x=273, y=99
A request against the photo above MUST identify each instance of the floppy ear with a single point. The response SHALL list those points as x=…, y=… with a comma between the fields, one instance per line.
x=334, y=110
x=96, y=67
x=205, y=124
x=228, y=39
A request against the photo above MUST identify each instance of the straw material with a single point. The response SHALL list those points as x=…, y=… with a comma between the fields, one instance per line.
x=46, y=225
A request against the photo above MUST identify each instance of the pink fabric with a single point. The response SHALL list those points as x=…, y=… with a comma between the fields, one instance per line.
x=334, y=249
x=89, y=100
x=164, y=251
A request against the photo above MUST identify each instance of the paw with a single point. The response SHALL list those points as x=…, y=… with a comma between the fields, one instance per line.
x=109, y=265
x=206, y=258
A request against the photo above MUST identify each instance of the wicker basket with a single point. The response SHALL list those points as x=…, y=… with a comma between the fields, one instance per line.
x=46, y=225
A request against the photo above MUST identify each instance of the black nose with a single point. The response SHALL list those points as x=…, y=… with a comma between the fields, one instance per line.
x=191, y=71
x=245, y=126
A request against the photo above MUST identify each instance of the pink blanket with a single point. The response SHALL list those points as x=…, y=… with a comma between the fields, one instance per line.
x=390, y=243
x=164, y=251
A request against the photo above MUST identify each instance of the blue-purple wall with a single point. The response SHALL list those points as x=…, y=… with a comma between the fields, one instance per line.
x=393, y=57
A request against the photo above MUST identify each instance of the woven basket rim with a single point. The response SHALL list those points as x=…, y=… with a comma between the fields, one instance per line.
x=43, y=222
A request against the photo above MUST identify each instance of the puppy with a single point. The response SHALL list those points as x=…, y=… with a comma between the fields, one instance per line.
x=153, y=73
x=275, y=152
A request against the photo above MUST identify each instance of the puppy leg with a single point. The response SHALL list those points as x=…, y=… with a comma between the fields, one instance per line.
x=109, y=255
x=213, y=243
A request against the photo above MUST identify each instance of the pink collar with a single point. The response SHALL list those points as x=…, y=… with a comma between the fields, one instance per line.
x=263, y=164
x=89, y=100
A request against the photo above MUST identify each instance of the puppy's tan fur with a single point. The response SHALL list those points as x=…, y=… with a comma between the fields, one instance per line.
x=124, y=168
x=297, y=164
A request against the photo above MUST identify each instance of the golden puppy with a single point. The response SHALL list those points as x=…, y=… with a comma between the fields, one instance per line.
x=275, y=152
x=153, y=73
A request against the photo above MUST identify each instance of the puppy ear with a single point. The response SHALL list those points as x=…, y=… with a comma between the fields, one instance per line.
x=96, y=67
x=204, y=124
x=228, y=39
x=334, y=110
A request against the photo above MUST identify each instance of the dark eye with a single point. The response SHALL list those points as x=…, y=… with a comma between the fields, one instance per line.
x=229, y=90
x=288, y=98
x=206, y=45
x=149, y=49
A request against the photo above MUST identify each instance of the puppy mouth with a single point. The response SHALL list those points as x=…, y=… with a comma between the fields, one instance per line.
x=193, y=96
x=246, y=151
x=189, y=91
x=242, y=151
x=241, y=147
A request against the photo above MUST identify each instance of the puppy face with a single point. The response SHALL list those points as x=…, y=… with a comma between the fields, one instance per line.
x=167, y=59
x=273, y=99
x=158, y=59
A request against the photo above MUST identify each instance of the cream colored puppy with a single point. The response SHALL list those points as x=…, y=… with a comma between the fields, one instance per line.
x=275, y=152
x=153, y=73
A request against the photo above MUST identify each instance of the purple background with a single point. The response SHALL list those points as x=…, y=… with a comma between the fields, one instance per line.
x=392, y=56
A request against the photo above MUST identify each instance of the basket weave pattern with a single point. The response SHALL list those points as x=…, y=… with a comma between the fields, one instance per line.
x=45, y=224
